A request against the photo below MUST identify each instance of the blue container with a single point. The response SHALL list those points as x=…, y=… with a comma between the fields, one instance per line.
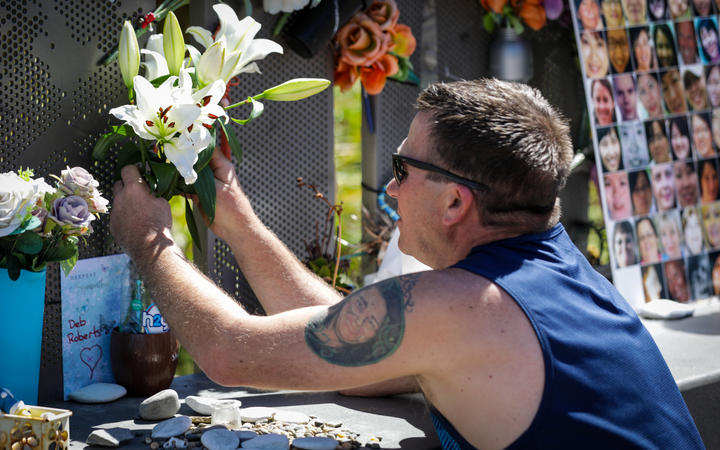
x=22, y=303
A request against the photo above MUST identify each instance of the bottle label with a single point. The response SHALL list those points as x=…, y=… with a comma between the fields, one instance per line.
x=153, y=322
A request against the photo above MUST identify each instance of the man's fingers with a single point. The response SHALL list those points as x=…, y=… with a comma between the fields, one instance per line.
x=130, y=174
x=117, y=187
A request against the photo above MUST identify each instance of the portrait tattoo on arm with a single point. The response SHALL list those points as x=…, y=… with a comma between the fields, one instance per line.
x=364, y=328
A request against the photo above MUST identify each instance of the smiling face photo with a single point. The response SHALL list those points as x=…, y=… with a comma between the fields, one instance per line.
x=686, y=183
x=594, y=53
x=686, y=42
x=641, y=193
x=648, y=88
x=613, y=13
x=664, y=45
x=673, y=92
x=663, y=186
x=617, y=192
x=603, y=102
x=618, y=50
x=609, y=147
x=694, y=84
x=626, y=96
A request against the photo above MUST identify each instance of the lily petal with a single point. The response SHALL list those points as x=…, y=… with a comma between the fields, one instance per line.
x=155, y=64
x=203, y=36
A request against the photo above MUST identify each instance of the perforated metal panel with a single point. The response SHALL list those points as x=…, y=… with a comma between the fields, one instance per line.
x=54, y=104
x=290, y=140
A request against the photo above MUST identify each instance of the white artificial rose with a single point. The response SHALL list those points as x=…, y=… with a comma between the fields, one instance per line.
x=17, y=197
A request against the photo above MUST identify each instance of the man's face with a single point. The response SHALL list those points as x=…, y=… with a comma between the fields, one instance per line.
x=626, y=96
x=686, y=42
x=619, y=49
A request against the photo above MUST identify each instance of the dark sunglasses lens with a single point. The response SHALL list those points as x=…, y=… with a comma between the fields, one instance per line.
x=398, y=171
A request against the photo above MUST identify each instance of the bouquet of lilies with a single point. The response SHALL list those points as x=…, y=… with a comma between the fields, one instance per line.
x=40, y=223
x=175, y=114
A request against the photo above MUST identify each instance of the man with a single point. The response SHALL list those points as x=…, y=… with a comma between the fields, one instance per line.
x=626, y=96
x=686, y=42
x=619, y=50
x=522, y=343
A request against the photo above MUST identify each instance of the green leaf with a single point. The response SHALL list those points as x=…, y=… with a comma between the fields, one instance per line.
x=192, y=227
x=29, y=223
x=13, y=266
x=232, y=140
x=129, y=154
x=164, y=175
x=257, y=110
x=29, y=243
x=102, y=146
x=516, y=24
x=205, y=189
x=489, y=22
x=68, y=264
x=160, y=80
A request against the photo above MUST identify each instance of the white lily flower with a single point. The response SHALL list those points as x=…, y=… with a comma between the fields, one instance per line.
x=128, y=54
x=173, y=44
x=155, y=64
x=184, y=149
x=275, y=6
x=241, y=47
x=160, y=112
x=210, y=64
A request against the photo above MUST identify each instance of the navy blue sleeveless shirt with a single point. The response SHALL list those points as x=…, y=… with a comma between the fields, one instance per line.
x=607, y=385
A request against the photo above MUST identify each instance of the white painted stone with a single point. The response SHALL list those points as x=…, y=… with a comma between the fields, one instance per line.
x=102, y=438
x=175, y=442
x=171, y=427
x=315, y=443
x=256, y=413
x=98, y=393
x=291, y=417
x=160, y=406
x=220, y=440
x=205, y=405
x=268, y=442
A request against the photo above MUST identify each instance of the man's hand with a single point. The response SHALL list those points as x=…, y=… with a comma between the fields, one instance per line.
x=232, y=207
x=138, y=219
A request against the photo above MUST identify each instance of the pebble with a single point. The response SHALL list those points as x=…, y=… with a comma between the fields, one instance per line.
x=220, y=439
x=171, y=427
x=109, y=438
x=291, y=417
x=315, y=443
x=174, y=442
x=160, y=406
x=98, y=393
x=268, y=442
x=256, y=414
x=244, y=435
x=204, y=405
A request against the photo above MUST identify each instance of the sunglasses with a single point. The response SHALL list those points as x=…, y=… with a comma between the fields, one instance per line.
x=400, y=173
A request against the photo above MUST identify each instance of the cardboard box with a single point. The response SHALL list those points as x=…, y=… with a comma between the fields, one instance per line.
x=39, y=433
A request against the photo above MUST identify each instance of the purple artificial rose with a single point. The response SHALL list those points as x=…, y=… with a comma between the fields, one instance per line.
x=73, y=211
x=77, y=181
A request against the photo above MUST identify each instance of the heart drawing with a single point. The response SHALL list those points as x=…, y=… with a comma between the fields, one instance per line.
x=91, y=357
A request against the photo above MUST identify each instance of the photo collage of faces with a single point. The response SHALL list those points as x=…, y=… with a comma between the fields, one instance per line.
x=652, y=73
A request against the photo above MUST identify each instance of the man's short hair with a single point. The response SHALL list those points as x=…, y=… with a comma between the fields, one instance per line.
x=505, y=135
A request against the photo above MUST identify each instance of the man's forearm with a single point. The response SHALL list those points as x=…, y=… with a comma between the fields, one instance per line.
x=279, y=280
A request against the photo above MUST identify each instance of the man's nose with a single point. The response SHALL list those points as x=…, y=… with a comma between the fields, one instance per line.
x=392, y=188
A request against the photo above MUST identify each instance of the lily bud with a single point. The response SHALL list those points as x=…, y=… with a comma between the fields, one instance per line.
x=296, y=89
x=173, y=44
x=210, y=64
x=128, y=54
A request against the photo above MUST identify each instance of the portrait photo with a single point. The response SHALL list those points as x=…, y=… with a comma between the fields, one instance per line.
x=693, y=230
x=618, y=46
x=653, y=282
x=633, y=144
x=648, y=88
x=649, y=249
x=702, y=8
x=668, y=225
x=657, y=10
x=626, y=96
x=715, y=272
x=664, y=39
x=679, y=9
x=617, y=195
x=612, y=13
x=641, y=193
x=709, y=183
x=715, y=125
x=603, y=101
x=657, y=141
x=676, y=279
x=712, y=84
x=662, y=181
x=686, y=183
x=702, y=135
x=588, y=14
x=643, y=50
x=609, y=148
x=694, y=84
x=686, y=42
x=680, y=137
x=673, y=92
x=699, y=275
x=711, y=224
x=594, y=54
x=635, y=11
x=623, y=244
x=706, y=30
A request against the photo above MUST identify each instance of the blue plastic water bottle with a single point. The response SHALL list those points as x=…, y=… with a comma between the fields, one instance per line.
x=8, y=404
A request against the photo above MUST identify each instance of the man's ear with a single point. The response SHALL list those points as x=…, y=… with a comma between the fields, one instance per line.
x=459, y=202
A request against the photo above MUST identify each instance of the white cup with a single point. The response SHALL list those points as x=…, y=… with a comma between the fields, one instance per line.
x=226, y=412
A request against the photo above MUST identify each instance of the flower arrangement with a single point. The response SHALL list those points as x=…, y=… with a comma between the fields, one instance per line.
x=175, y=113
x=373, y=47
x=41, y=224
x=515, y=13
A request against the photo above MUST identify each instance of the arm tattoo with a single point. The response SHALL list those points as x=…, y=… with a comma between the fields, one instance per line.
x=365, y=327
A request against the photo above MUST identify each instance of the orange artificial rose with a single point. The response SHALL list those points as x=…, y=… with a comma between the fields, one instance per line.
x=373, y=78
x=531, y=12
x=384, y=12
x=403, y=40
x=361, y=41
x=345, y=76
x=493, y=5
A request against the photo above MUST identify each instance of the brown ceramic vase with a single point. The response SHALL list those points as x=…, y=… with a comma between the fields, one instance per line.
x=143, y=363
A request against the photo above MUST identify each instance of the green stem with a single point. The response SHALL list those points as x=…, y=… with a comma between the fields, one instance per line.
x=246, y=101
x=169, y=194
